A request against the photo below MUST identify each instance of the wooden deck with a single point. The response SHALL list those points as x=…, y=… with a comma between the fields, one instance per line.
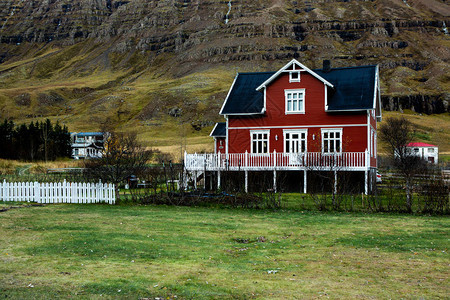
x=309, y=161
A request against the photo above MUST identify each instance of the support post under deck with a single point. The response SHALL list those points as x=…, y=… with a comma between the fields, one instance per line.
x=335, y=182
x=246, y=181
x=304, y=182
x=275, y=181
x=195, y=180
x=218, y=179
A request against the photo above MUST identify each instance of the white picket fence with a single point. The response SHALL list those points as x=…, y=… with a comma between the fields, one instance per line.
x=60, y=192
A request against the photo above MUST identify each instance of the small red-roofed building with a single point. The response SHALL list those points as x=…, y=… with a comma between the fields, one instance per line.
x=427, y=152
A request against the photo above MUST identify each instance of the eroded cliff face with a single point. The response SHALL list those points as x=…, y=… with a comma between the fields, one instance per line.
x=57, y=39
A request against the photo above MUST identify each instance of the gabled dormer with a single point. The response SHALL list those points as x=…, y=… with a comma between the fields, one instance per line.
x=295, y=69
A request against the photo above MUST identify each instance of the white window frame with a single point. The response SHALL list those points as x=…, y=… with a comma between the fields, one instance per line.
x=252, y=132
x=328, y=131
x=286, y=100
x=299, y=132
x=294, y=79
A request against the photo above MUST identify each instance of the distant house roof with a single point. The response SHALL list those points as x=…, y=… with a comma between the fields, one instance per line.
x=220, y=130
x=420, y=145
x=353, y=88
x=87, y=133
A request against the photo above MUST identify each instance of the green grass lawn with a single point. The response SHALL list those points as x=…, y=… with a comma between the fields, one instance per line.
x=101, y=251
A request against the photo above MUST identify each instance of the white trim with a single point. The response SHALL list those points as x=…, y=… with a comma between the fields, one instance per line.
x=326, y=97
x=378, y=118
x=299, y=126
x=229, y=92
x=334, y=130
x=293, y=61
x=375, y=147
x=265, y=101
x=246, y=114
x=302, y=91
x=369, y=127
x=339, y=110
x=375, y=89
x=371, y=142
x=260, y=132
x=215, y=145
x=227, y=135
x=299, y=131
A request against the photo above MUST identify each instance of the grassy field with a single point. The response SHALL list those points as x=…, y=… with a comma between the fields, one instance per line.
x=99, y=251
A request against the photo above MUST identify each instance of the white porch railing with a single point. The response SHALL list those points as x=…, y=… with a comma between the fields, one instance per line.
x=61, y=192
x=346, y=161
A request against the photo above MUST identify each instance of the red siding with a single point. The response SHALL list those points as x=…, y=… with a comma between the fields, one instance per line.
x=354, y=138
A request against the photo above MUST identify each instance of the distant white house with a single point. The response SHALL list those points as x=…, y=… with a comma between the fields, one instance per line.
x=87, y=144
x=428, y=152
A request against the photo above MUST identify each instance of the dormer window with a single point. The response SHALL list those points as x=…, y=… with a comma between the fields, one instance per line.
x=294, y=76
x=295, y=101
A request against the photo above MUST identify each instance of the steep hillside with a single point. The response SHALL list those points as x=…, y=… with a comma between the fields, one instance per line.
x=163, y=67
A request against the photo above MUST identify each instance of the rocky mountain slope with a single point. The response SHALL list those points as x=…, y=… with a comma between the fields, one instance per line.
x=163, y=67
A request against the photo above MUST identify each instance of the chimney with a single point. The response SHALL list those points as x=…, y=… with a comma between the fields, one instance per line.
x=326, y=65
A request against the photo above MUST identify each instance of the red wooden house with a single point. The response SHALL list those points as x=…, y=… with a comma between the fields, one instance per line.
x=298, y=119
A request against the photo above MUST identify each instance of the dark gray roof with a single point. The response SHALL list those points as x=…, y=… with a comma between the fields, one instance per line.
x=353, y=87
x=243, y=97
x=220, y=130
x=353, y=90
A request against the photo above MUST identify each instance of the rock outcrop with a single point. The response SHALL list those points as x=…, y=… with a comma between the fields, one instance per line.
x=409, y=42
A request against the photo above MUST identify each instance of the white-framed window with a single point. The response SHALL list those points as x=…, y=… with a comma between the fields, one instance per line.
x=295, y=141
x=294, y=76
x=259, y=141
x=430, y=150
x=295, y=101
x=332, y=140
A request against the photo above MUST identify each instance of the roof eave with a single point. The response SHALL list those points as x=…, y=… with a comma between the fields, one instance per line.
x=212, y=131
x=242, y=114
x=354, y=109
